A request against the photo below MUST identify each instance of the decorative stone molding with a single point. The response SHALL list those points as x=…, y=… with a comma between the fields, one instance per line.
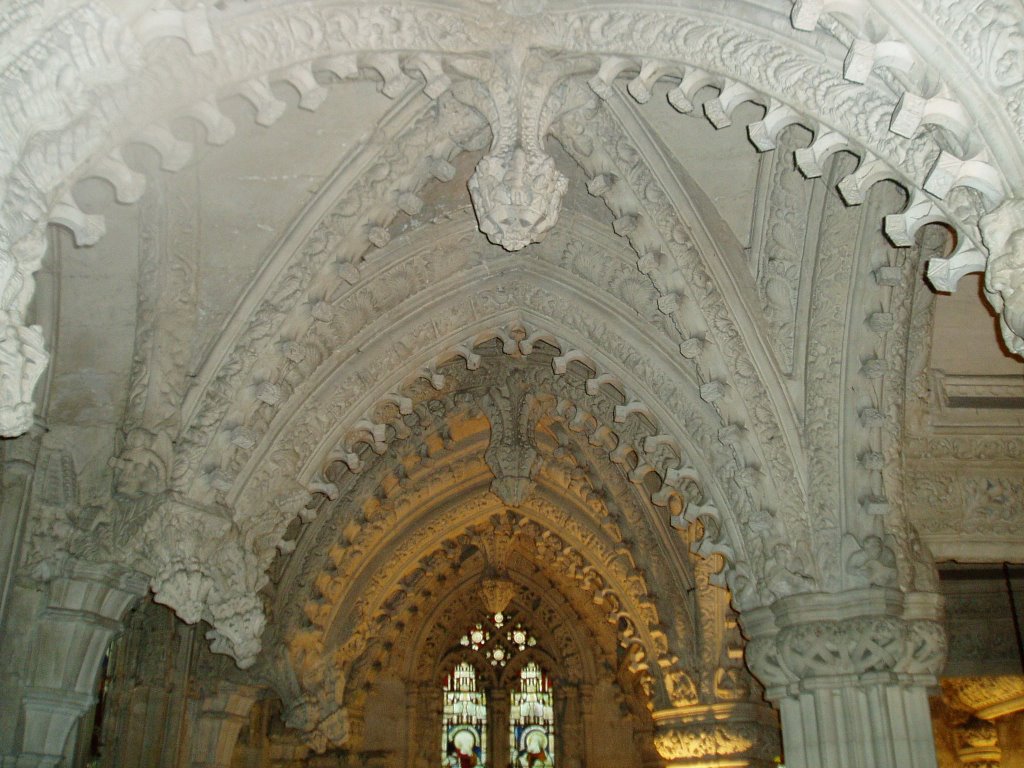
x=512, y=453
x=203, y=569
x=819, y=655
x=977, y=744
x=727, y=735
x=74, y=105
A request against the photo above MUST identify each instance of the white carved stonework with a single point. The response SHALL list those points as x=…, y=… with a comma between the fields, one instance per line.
x=370, y=319
x=517, y=197
x=516, y=189
x=1003, y=232
x=101, y=84
x=819, y=655
x=22, y=362
x=203, y=570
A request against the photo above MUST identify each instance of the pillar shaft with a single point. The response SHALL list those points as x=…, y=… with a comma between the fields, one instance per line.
x=222, y=714
x=83, y=612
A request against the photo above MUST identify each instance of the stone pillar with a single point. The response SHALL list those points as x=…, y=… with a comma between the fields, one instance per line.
x=587, y=708
x=81, y=615
x=569, y=719
x=497, y=728
x=977, y=744
x=412, y=724
x=222, y=713
x=739, y=734
x=849, y=673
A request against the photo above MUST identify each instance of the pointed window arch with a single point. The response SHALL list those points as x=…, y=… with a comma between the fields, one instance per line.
x=464, y=720
x=532, y=720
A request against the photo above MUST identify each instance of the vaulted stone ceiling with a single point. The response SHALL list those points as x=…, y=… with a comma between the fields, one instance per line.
x=311, y=261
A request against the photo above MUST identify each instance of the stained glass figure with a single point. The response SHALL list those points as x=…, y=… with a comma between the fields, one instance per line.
x=464, y=720
x=532, y=720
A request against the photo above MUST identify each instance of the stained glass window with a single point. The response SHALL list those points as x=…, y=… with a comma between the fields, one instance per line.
x=464, y=720
x=532, y=720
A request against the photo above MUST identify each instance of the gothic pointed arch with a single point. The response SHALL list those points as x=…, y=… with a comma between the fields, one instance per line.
x=120, y=79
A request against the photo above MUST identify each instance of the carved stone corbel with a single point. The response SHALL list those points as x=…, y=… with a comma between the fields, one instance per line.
x=512, y=454
x=203, y=568
x=516, y=189
x=977, y=744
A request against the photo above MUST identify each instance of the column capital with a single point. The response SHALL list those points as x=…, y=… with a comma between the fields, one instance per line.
x=977, y=744
x=849, y=672
x=861, y=636
x=726, y=734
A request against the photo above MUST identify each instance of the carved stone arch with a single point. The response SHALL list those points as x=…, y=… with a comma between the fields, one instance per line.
x=384, y=607
x=415, y=365
x=708, y=306
x=889, y=137
x=422, y=363
x=564, y=632
x=393, y=523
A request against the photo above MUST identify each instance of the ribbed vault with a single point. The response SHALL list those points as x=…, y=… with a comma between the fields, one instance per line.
x=411, y=525
x=503, y=322
x=639, y=301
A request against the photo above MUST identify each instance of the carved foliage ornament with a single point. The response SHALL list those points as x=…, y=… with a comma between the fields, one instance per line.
x=1003, y=233
x=703, y=740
